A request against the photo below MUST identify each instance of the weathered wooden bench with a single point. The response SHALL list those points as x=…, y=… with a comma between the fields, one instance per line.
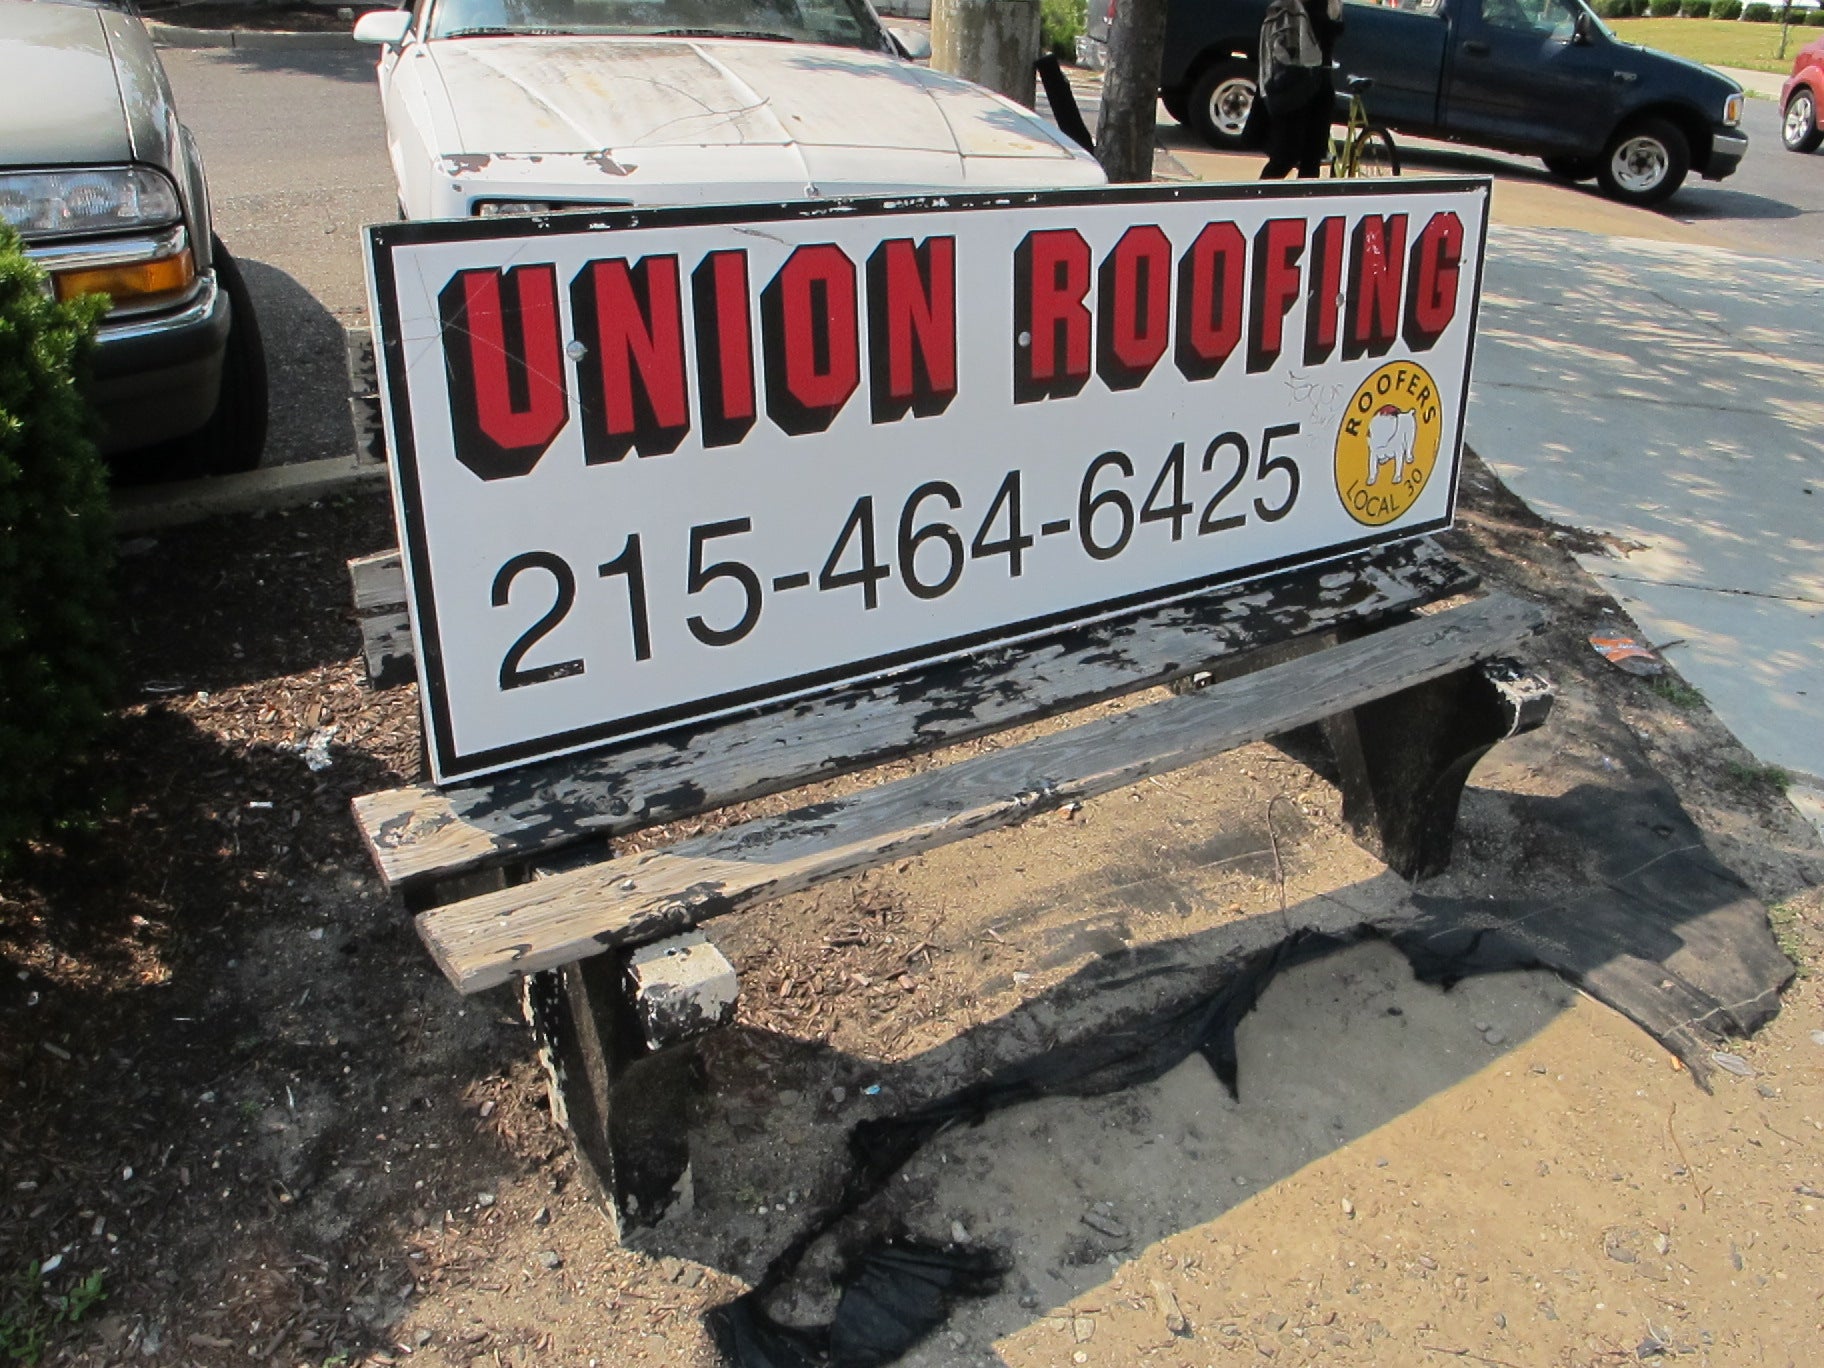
x=516, y=878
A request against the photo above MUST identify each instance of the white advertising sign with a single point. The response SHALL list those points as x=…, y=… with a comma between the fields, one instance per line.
x=657, y=466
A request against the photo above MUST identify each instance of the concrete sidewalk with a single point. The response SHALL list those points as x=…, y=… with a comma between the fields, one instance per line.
x=1762, y=83
x=1661, y=394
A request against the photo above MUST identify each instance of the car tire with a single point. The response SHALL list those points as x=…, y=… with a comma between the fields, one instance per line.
x=1176, y=104
x=1222, y=108
x=234, y=438
x=1644, y=163
x=1799, y=129
x=1571, y=168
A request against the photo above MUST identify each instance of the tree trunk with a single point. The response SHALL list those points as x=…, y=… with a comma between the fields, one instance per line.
x=991, y=42
x=1130, y=91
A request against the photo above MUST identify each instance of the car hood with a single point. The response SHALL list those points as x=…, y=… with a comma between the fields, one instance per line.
x=645, y=108
x=60, y=101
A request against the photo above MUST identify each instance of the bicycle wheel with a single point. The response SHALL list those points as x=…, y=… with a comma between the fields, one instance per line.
x=1374, y=154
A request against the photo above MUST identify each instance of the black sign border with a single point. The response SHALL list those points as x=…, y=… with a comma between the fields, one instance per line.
x=451, y=766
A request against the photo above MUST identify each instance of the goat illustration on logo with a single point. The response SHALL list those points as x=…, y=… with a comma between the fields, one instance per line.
x=1387, y=444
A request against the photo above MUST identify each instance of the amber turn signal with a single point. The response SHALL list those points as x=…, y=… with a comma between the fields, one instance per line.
x=141, y=283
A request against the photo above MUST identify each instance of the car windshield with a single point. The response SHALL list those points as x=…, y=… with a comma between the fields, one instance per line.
x=842, y=23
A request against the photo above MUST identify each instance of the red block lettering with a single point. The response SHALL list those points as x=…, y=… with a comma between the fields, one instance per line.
x=911, y=328
x=1278, y=247
x=725, y=349
x=504, y=362
x=1325, y=299
x=1050, y=316
x=1133, y=307
x=1209, y=300
x=809, y=330
x=631, y=386
x=1377, y=256
x=1437, y=259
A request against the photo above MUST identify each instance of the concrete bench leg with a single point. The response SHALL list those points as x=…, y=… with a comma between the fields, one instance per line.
x=1404, y=759
x=617, y=1034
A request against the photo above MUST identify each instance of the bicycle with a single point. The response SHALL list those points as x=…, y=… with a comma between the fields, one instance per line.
x=1365, y=149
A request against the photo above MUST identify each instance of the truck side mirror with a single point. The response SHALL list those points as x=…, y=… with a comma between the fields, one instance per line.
x=1582, y=28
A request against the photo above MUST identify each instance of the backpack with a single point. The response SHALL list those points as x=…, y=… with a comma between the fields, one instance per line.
x=1290, y=60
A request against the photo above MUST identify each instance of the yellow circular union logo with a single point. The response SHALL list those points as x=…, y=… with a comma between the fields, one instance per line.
x=1388, y=444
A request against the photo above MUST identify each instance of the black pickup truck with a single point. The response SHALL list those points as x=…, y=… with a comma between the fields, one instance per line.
x=1544, y=78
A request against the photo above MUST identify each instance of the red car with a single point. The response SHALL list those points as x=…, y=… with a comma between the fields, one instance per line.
x=1800, y=98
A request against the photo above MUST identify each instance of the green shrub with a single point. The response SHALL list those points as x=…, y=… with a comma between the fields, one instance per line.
x=1726, y=9
x=1060, y=21
x=1815, y=18
x=1663, y=9
x=1757, y=13
x=56, y=548
x=1695, y=9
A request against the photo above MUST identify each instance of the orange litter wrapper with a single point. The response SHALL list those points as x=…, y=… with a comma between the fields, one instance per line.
x=1628, y=653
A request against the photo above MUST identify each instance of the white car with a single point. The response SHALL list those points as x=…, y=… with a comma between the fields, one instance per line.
x=529, y=106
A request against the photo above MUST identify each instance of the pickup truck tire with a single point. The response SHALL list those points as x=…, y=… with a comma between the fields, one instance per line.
x=1175, y=104
x=1571, y=168
x=1644, y=162
x=1799, y=129
x=1221, y=107
x=235, y=435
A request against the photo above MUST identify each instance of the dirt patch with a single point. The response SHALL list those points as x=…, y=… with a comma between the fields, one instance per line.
x=234, y=1083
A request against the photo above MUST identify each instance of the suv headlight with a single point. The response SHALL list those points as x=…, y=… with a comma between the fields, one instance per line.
x=87, y=200
x=1732, y=111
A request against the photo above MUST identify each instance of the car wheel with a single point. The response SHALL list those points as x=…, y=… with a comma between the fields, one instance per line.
x=1800, y=130
x=1221, y=107
x=1176, y=104
x=235, y=435
x=1644, y=163
x=1571, y=168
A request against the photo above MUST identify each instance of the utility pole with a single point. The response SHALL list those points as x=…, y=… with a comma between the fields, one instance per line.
x=1130, y=91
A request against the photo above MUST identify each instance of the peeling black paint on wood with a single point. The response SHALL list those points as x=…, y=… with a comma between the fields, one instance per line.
x=546, y=806
x=478, y=942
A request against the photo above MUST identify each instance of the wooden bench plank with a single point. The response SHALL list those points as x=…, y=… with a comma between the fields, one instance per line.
x=378, y=581
x=487, y=940
x=386, y=626
x=421, y=835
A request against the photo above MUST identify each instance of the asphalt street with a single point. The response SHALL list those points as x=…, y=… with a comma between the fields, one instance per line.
x=296, y=160
x=1642, y=373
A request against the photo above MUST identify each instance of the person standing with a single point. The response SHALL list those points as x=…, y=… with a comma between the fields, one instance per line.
x=1297, y=38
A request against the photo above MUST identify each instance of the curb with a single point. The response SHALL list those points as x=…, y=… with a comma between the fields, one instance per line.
x=151, y=508
x=176, y=36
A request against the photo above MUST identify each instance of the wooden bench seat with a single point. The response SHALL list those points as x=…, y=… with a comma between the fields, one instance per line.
x=515, y=878
x=486, y=940
x=420, y=836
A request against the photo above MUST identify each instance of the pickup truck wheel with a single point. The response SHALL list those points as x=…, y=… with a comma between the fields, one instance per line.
x=1800, y=130
x=1175, y=104
x=1571, y=168
x=1645, y=162
x=235, y=435
x=1221, y=107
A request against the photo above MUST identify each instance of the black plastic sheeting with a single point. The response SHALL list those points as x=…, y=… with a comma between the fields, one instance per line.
x=1063, y=102
x=892, y=1297
x=1653, y=925
x=899, y=1290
